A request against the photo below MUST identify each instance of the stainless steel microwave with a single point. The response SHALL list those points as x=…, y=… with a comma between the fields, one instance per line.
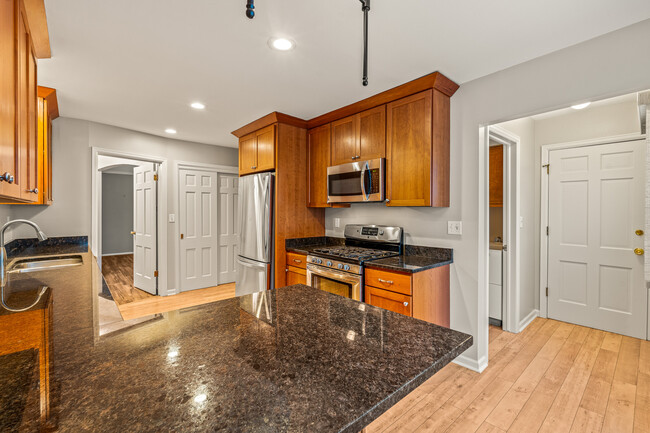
x=360, y=181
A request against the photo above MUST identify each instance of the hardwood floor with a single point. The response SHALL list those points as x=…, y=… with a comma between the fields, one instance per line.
x=161, y=304
x=118, y=273
x=551, y=377
x=134, y=303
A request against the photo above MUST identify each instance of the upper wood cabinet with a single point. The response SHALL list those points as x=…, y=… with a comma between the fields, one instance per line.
x=496, y=176
x=257, y=151
x=23, y=39
x=318, y=159
x=359, y=137
x=417, y=150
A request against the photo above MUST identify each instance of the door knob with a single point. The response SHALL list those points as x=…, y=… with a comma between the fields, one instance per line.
x=182, y=236
x=132, y=232
x=639, y=251
x=639, y=232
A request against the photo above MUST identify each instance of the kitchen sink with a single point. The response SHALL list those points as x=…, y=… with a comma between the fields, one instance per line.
x=45, y=263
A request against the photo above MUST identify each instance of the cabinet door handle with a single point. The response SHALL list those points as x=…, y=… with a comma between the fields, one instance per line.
x=406, y=304
x=7, y=177
x=297, y=261
x=253, y=167
x=35, y=190
x=385, y=281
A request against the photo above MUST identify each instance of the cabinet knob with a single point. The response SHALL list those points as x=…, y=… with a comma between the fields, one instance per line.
x=387, y=200
x=406, y=304
x=35, y=190
x=7, y=177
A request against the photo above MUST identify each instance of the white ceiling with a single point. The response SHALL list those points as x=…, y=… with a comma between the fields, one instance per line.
x=138, y=64
x=629, y=98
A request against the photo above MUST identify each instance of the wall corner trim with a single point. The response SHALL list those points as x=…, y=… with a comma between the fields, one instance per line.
x=523, y=323
x=472, y=364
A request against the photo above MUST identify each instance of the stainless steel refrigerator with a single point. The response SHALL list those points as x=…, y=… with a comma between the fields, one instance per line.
x=255, y=260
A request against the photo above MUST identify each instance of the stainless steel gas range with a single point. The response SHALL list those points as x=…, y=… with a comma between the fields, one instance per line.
x=339, y=269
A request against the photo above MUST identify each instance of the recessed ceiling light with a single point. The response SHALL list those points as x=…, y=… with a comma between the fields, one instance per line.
x=281, y=44
x=170, y=131
x=197, y=105
x=580, y=106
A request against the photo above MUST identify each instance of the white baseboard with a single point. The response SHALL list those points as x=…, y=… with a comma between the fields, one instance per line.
x=117, y=254
x=471, y=364
x=526, y=320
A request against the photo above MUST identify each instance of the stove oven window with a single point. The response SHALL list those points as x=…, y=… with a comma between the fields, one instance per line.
x=333, y=286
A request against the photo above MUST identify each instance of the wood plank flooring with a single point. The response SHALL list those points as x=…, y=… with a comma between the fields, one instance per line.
x=118, y=273
x=551, y=377
x=161, y=304
x=134, y=303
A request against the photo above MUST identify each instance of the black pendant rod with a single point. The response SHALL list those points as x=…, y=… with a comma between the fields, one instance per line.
x=365, y=7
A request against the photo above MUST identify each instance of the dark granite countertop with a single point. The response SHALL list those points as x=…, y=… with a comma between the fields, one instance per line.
x=295, y=359
x=307, y=245
x=407, y=264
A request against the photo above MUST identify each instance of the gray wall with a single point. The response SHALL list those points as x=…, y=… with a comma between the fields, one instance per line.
x=72, y=140
x=117, y=213
x=603, y=67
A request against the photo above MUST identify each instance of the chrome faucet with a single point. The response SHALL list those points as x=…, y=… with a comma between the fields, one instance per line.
x=3, y=260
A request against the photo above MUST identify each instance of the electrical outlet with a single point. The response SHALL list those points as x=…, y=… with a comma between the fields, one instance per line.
x=454, y=227
x=172, y=218
x=337, y=222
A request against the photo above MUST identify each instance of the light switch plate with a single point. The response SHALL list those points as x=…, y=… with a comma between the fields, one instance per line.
x=337, y=223
x=454, y=227
x=172, y=218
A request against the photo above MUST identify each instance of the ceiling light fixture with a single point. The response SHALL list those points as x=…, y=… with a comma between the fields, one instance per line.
x=170, y=131
x=281, y=44
x=580, y=106
x=197, y=106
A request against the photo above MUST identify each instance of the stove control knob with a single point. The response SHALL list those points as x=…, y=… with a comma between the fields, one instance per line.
x=340, y=266
x=329, y=263
x=346, y=267
x=319, y=261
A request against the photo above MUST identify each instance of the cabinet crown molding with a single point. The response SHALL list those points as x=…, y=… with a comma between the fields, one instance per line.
x=269, y=119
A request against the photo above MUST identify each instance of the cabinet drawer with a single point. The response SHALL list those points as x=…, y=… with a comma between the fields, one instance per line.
x=297, y=260
x=392, y=281
x=388, y=300
x=296, y=276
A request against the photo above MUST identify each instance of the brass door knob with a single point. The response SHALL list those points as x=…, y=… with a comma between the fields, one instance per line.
x=639, y=232
x=132, y=232
x=639, y=251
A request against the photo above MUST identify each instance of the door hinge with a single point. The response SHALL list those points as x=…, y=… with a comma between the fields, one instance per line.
x=546, y=230
x=547, y=291
x=547, y=168
x=155, y=273
x=155, y=177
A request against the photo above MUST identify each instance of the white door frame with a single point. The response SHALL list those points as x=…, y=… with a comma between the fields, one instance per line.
x=511, y=233
x=96, y=212
x=544, y=205
x=186, y=165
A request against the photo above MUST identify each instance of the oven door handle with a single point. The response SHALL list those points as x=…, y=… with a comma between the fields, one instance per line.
x=364, y=170
x=330, y=273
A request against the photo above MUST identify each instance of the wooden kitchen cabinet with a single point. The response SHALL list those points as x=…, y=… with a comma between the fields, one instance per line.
x=389, y=300
x=23, y=39
x=417, y=166
x=423, y=295
x=496, y=176
x=257, y=151
x=296, y=268
x=359, y=137
x=318, y=159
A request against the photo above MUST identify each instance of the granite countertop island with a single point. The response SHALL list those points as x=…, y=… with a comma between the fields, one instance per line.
x=295, y=359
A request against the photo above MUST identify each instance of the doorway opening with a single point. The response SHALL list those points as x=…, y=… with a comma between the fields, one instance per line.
x=128, y=228
x=504, y=221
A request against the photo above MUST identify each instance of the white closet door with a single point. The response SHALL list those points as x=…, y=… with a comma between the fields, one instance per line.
x=228, y=234
x=596, y=199
x=198, y=226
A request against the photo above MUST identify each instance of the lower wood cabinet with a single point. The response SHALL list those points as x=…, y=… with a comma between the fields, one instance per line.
x=389, y=300
x=423, y=295
x=296, y=268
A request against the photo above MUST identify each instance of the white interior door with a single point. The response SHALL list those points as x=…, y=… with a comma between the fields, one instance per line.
x=145, y=258
x=198, y=225
x=596, y=198
x=228, y=234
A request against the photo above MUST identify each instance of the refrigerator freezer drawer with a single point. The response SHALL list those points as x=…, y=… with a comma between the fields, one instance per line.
x=252, y=276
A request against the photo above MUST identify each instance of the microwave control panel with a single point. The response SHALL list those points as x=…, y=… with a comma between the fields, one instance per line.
x=374, y=181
